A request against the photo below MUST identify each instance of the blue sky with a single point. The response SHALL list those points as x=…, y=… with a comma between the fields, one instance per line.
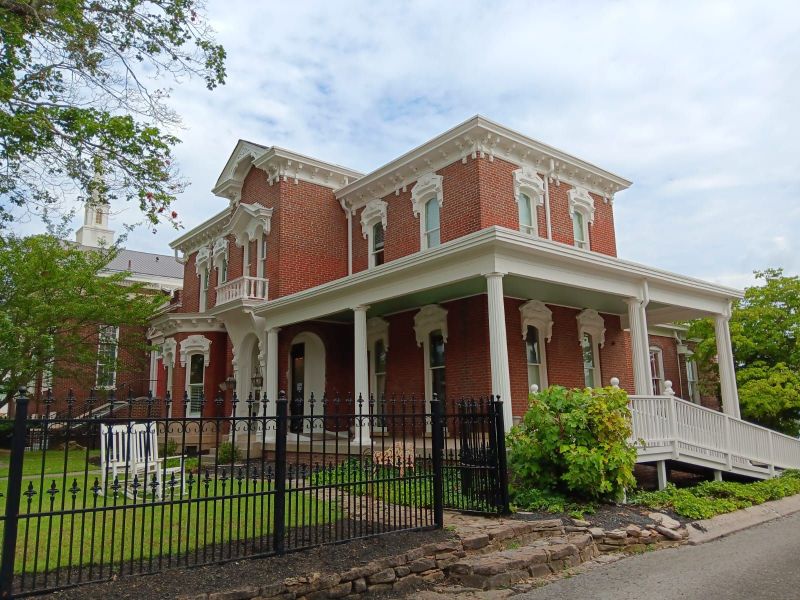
x=698, y=103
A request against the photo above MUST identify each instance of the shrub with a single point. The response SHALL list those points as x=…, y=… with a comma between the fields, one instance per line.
x=573, y=441
x=227, y=453
x=712, y=498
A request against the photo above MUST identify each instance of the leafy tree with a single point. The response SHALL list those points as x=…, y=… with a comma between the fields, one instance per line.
x=54, y=297
x=79, y=110
x=765, y=334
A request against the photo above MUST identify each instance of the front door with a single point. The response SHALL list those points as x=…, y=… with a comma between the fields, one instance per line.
x=298, y=388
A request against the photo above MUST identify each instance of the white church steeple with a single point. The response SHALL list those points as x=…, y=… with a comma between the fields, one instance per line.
x=95, y=230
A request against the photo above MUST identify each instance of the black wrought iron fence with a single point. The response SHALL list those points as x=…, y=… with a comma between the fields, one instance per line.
x=154, y=486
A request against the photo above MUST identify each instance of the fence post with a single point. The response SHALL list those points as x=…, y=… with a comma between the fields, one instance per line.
x=437, y=435
x=502, y=461
x=279, y=523
x=13, y=494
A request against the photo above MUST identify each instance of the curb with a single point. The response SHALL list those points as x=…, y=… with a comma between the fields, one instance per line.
x=714, y=528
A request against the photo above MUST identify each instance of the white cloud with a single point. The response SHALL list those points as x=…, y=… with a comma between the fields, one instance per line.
x=695, y=102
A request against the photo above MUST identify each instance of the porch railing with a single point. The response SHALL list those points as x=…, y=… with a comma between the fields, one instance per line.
x=243, y=288
x=668, y=428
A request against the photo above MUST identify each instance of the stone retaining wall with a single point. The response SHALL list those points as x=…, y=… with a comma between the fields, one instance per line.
x=498, y=555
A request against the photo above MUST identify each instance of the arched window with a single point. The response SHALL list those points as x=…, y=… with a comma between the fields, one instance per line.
x=377, y=241
x=527, y=214
x=581, y=210
x=657, y=369
x=535, y=356
x=432, y=226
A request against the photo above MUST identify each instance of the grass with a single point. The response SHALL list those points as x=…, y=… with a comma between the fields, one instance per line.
x=712, y=498
x=551, y=502
x=53, y=462
x=122, y=530
x=413, y=488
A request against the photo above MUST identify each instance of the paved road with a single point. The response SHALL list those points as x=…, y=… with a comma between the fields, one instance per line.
x=761, y=562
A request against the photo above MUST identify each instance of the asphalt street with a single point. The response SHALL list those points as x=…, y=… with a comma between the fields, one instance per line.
x=761, y=562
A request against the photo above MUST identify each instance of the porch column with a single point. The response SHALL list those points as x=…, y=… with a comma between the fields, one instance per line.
x=361, y=376
x=640, y=348
x=727, y=374
x=498, y=347
x=272, y=369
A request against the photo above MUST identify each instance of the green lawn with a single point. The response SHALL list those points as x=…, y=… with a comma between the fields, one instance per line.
x=53, y=462
x=124, y=531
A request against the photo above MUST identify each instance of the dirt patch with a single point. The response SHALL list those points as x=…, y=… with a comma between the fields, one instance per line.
x=606, y=516
x=255, y=572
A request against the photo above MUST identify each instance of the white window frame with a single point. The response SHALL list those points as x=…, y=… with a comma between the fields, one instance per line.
x=190, y=412
x=542, y=364
x=377, y=330
x=427, y=188
x=692, y=380
x=202, y=267
x=535, y=313
x=373, y=214
x=427, y=232
x=427, y=320
x=656, y=358
x=112, y=341
x=529, y=188
x=582, y=203
x=373, y=251
x=591, y=323
x=597, y=375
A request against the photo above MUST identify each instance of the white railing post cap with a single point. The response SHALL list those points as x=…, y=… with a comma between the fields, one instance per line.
x=615, y=382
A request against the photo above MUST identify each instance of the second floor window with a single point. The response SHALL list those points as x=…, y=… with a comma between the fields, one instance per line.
x=432, y=227
x=527, y=214
x=223, y=271
x=206, y=277
x=107, y=357
x=376, y=251
x=580, y=230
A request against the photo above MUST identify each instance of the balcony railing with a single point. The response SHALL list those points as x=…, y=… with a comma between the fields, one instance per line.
x=243, y=288
x=668, y=428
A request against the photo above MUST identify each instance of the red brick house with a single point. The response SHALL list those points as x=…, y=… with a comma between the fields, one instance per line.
x=481, y=261
x=123, y=365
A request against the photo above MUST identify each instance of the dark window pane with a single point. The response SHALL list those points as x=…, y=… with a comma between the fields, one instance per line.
x=437, y=349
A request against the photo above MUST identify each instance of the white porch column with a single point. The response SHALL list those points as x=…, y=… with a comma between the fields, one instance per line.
x=361, y=376
x=498, y=347
x=727, y=373
x=640, y=348
x=272, y=369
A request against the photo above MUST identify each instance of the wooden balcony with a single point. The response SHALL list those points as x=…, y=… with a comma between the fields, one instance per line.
x=250, y=289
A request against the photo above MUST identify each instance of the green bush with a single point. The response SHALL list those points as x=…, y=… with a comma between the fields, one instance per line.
x=712, y=498
x=573, y=442
x=227, y=453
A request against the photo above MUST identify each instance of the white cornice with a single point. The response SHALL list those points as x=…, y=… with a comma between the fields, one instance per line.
x=428, y=186
x=480, y=137
x=278, y=164
x=536, y=313
x=248, y=220
x=505, y=240
x=171, y=323
x=590, y=321
x=203, y=234
x=580, y=200
x=430, y=318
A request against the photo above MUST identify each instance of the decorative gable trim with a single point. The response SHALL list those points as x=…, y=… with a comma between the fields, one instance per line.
x=528, y=182
x=248, y=221
x=580, y=200
x=590, y=321
x=169, y=352
x=196, y=344
x=535, y=313
x=430, y=318
x=374, y=211
x=428, y=186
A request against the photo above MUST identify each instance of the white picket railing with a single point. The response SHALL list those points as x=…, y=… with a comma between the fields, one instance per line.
x=243, y=288
x=668, y=428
